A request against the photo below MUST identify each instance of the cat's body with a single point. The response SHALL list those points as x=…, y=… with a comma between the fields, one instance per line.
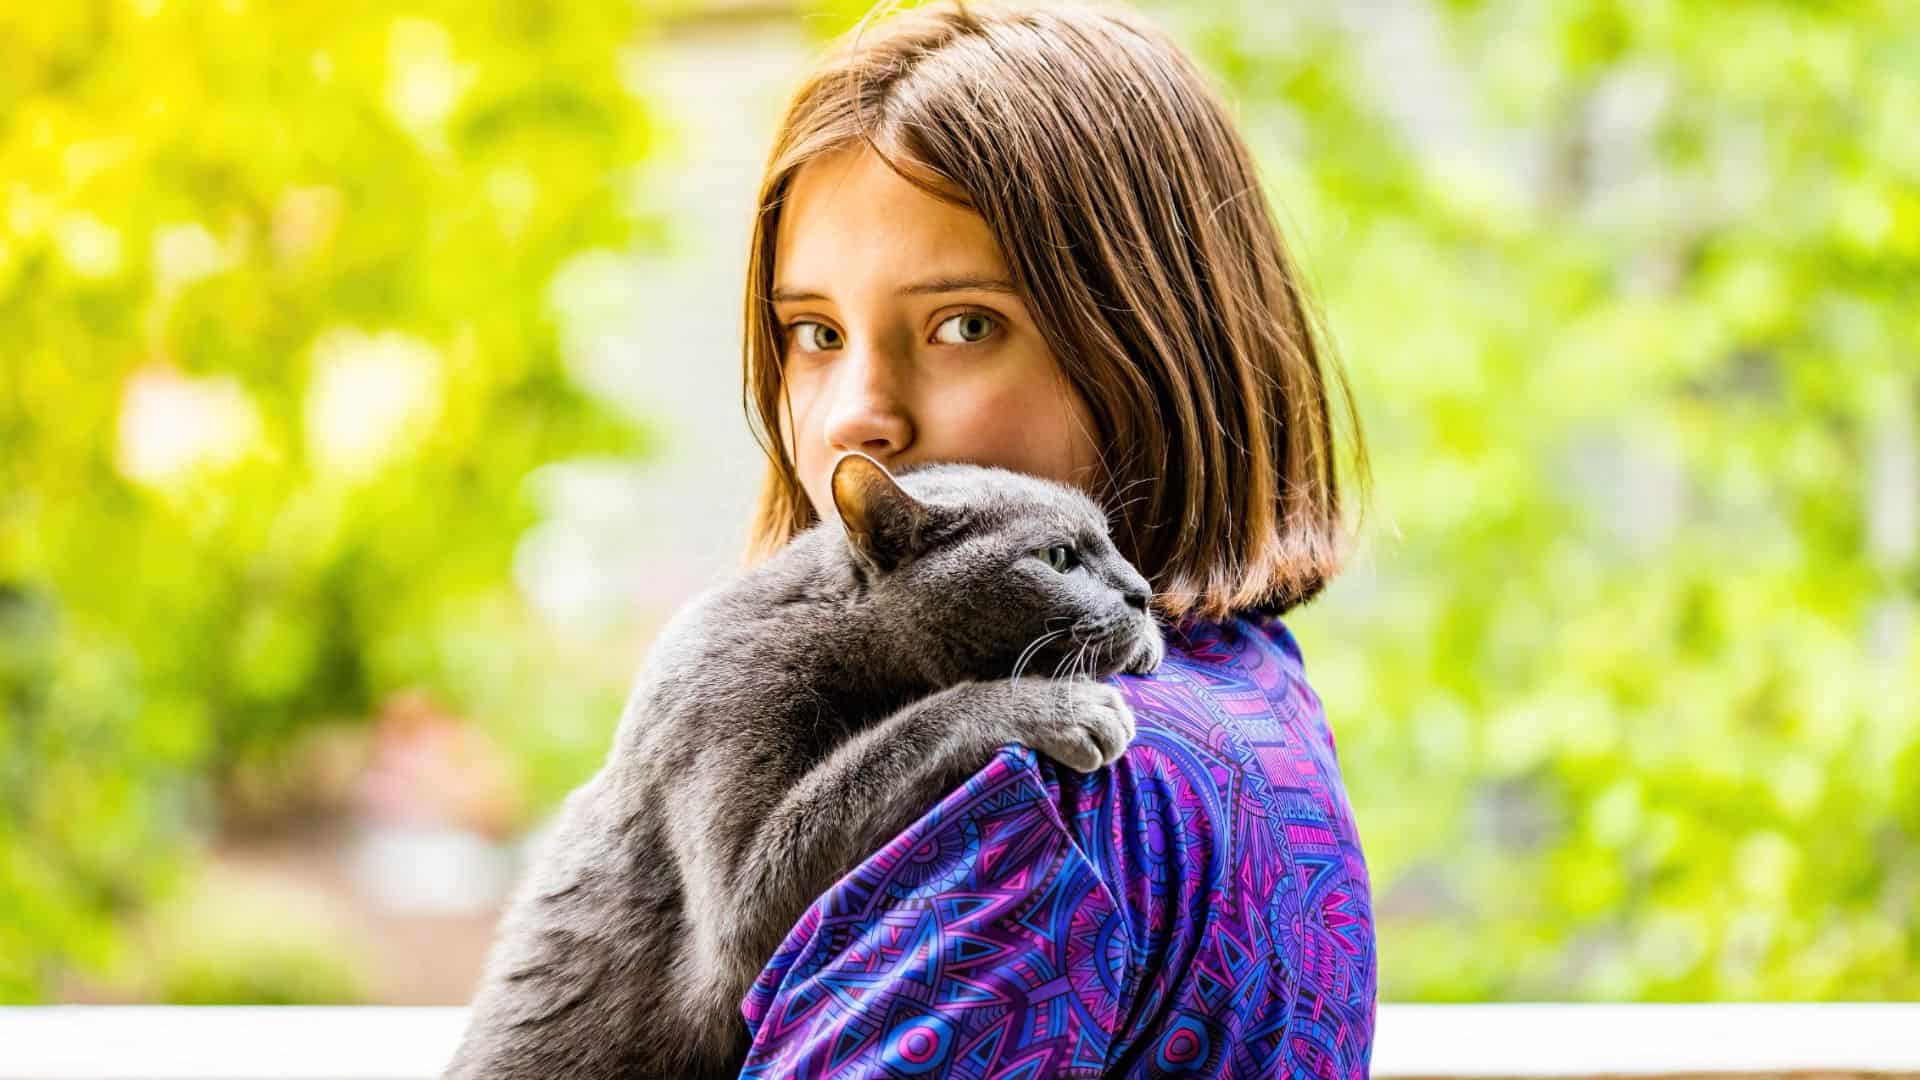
x=786, y=726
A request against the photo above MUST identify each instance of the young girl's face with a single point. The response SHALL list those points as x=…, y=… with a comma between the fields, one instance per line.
x=903, y=338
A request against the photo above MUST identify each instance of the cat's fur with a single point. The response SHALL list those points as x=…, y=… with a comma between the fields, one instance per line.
x=785, y=727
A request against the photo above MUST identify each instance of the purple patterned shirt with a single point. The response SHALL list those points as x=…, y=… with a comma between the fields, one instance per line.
x=1199, y=908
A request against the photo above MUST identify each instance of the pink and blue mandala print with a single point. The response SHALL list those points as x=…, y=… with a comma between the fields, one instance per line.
x=1198, y=909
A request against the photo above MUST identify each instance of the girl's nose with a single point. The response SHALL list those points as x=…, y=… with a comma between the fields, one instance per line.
x=867, y=413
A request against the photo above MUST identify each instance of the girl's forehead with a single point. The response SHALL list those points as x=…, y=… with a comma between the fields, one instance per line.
x=848, y=214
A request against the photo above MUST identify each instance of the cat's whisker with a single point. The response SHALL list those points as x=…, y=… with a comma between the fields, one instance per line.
x=1117, y=503
x=1072, y=662
x=1020, y=665
x=1122, y=494
x=1127, y=505
x=1134, y=483
x=1064, y=661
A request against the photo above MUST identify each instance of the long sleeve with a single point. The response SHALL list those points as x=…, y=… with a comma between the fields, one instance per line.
x=1199, y=908
x=979, y=942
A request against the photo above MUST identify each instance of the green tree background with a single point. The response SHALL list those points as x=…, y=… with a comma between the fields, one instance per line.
x=310, y=243
x=1625, y=678
x=1627, y=687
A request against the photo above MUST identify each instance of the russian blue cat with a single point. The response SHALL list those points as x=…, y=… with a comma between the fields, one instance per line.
x=787, y=725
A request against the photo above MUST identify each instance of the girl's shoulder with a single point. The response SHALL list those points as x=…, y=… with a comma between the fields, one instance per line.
x=1230, y=714
x=1232, y=764
x=1225, y=833
x=1244, y=674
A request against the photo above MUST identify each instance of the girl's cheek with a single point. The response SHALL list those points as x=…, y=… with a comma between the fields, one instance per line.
x=1022, y=427
x=800, y=408
x=963, y=410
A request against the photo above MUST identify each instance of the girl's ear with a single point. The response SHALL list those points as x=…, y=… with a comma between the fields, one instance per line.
x=882, y=521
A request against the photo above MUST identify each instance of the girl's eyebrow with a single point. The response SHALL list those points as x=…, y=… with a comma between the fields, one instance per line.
x=959, y=283
x=954, y=283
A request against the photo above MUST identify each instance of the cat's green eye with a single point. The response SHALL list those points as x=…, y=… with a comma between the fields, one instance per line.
x=1060, y=556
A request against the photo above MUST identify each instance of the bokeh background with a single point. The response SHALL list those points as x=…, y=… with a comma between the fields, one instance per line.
x=369, y=394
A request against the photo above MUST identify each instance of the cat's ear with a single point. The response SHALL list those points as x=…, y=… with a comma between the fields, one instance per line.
x=883, y=522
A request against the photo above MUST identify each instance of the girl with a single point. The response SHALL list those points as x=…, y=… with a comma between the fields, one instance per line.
x=1033, y=239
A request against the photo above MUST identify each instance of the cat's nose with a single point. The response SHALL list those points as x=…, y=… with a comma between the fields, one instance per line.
x=1137, y=599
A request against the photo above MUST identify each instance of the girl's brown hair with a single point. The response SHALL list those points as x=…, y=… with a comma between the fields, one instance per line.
x=1131, y=218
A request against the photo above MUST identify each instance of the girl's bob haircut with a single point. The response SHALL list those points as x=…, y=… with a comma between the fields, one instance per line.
x=1130, y=215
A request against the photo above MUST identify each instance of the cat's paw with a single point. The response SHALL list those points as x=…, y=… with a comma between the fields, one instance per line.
x=1081, y=724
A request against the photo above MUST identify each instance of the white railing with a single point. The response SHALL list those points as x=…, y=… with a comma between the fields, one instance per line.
x=385, y=1043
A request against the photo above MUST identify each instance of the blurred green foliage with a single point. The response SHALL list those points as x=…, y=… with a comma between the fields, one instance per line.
x=231, y=941
x=275, y=360
x=1627, y=684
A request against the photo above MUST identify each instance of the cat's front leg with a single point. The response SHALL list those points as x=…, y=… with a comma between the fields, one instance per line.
x=879, y=781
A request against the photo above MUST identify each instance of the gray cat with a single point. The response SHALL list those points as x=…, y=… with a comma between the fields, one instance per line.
x=786, y=726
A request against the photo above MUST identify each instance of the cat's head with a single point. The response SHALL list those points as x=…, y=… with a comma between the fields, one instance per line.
x=986, y=573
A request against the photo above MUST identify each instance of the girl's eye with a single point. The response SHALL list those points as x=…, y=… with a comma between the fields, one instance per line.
x=965, y=328
x=1060, y=556
x=814, y=337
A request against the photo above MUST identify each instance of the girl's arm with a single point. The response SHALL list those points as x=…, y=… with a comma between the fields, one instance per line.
x=979, y=936
x=882, y=779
